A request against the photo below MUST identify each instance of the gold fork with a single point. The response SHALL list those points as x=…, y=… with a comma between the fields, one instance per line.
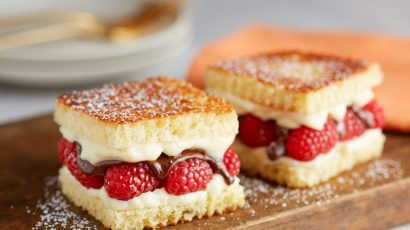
x=62, y=25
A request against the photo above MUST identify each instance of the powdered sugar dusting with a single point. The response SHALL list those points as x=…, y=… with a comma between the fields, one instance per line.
x=293, y=70
x=134, y=101
x=55, y=212
x=263, y=193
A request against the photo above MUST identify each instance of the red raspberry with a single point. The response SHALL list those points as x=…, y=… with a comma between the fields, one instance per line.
x=64, y=147
x=305, y=144
x=376, y=109
x=128, y=180
x=255, y=132
x=353, y=126
x=188, y=176
x=70, y=155
x=231, y=162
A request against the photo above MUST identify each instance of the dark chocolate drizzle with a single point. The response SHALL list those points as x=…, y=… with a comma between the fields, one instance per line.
x=276, y=148
x=97, y=169
x=366, y=116
x=160, y=167
x=164, y=163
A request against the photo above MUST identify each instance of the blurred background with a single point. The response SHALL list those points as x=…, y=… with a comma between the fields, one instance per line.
x=51, y=46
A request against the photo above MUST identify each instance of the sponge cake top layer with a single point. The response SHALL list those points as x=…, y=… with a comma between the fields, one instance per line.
x=294, y=81
x=293, y=70
x=134, y=101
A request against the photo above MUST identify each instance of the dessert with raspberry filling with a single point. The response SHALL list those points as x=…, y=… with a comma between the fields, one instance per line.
x=303, y=117
x=146, y=154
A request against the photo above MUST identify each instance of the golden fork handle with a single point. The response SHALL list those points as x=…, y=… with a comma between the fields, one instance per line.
x=49, y=33
x=45, y=18
x=82, y=24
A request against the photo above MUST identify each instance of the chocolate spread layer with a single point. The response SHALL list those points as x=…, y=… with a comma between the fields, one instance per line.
x=366, y=116
x=276, y=148
x=160, y=167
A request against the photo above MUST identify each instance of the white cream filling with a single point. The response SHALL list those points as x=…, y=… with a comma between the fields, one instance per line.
x=158, y=197
x=213, y=146
x=291, y=120
x=344, y=146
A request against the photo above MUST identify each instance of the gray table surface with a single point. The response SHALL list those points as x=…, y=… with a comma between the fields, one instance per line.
x=215, y=18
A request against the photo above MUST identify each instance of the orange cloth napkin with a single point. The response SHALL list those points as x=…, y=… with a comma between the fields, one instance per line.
x=393, y=53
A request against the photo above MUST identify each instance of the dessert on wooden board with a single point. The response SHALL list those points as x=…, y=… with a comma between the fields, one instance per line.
x=303, y=117
x=148, y=154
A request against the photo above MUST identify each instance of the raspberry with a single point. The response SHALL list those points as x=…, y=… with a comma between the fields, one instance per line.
x=70, y=160
x=64, y=146
x=129, y=180
x=255, y=132
x=353, y=126
x=378, y=113
x=188, y=176
x=305, y=144
x=231, y=162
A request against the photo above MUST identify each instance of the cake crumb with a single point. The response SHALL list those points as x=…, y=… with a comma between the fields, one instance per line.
x=252, y=212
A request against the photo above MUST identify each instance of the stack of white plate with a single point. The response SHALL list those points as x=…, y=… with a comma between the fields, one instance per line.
x=79, y=61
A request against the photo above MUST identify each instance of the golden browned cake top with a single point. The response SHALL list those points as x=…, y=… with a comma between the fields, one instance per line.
x=293, y=70
x=153, y=98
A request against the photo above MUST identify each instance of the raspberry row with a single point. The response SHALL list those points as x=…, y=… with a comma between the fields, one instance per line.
x=305, y=143
x=128, y=180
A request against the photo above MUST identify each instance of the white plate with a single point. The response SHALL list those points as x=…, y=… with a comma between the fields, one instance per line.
x=80, y=61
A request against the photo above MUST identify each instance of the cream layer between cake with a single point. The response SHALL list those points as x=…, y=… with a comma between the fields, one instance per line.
x=292, y=120
x=212, y=146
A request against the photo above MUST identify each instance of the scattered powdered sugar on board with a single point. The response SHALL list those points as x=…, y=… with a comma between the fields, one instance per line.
x=268, y=194
x=55, y=212
x=276, y=198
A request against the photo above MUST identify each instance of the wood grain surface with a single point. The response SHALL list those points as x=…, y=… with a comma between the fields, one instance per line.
x=375, y=195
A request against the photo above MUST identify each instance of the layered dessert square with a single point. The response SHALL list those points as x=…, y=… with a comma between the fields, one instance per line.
x=147, y=154
x=303, y=117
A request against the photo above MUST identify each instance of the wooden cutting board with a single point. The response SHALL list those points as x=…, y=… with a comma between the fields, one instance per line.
x=375, y=195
